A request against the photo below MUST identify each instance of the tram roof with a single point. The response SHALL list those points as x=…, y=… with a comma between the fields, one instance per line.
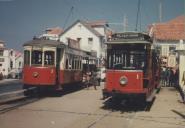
x=128, y=42
x=130, y=38
x=42, y=42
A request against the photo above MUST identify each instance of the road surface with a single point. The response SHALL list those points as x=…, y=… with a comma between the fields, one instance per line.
x=85, y=109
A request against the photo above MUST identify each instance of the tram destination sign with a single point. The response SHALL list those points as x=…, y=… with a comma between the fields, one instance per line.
x=130, y=36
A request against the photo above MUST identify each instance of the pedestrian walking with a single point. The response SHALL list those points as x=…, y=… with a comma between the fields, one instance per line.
x=176, y=77
x=166, y=77
x=88, y=77
x=163, y=80
x=99, y=77
x=171, y=77
x=84, y=79
x=94, y=79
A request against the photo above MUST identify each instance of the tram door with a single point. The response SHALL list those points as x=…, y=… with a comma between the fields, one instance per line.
x=58, y=60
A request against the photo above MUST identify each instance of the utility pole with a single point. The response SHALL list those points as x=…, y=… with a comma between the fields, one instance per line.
x=125, y=24
x=160, y=11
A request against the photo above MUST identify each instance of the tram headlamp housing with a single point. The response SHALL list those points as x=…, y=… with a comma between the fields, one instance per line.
x=35, y=74
x=123, y=80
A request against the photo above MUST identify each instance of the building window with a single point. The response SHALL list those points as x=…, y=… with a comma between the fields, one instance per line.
x=90, y=41
x=158, y=50
x=165, y=50
x=11, y=53
x=172, y=49
x=11, y=64
x=19, y=64
x=1, y=52
x=79, y=39
x=1, y=59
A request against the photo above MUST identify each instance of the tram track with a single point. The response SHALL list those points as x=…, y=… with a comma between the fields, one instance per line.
x=14, y=95
x=15, y=99
x=93, y=118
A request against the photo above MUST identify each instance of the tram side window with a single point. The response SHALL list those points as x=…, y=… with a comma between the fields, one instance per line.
x=67, y=63
x=80, y=64
x=26, y=57
x=36, y=57
x=49, y=58
x=76, y=64
x=70, y=62
x=73, y=63
x=77, y=60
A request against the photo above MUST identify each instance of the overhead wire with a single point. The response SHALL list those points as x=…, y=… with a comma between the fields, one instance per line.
x=138, y=12
x=74, y=8
x=68, y=16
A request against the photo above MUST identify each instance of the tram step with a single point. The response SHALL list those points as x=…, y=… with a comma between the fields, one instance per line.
x=151, y=97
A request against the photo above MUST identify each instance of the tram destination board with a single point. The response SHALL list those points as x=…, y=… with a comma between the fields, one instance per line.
x=130, y=36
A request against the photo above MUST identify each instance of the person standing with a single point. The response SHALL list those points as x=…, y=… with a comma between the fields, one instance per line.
x=171, y=77
x=94, y=80
x=166, y=77
x=177, y=77
x=163, y=80
x=88, y=75
x=99, y=77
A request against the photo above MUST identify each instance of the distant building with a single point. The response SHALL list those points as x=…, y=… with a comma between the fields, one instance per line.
x=167, y=35
x=11, y=62
x=52, y=33
x=90, y=34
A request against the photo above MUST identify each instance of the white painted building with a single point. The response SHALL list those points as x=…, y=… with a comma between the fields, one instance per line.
x=11, y=61
x=181, y=62
x=91, y=36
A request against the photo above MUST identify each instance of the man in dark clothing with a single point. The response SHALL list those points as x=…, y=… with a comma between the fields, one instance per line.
x=94, y=79
x=176, y=77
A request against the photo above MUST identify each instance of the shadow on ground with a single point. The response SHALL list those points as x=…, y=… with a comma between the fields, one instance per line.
x=58, y=93
x=126, y=106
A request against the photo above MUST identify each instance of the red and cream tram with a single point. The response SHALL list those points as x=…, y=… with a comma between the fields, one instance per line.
x=132, y=67
x=52, y=64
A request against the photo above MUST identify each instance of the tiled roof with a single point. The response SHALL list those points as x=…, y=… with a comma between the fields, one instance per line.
x=97, y=23
x=17, y=53
x=89, y=27
x=171, y=30
x=56, y=31
x=179, y=20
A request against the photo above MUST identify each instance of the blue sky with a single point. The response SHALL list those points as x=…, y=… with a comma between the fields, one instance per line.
x=20, y=20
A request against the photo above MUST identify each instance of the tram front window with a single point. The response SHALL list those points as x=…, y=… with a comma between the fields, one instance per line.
x=36, y=57
x=49, y=58
x=127, y=60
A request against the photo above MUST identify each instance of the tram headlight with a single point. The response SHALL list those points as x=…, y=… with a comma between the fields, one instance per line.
x=35, y=74
x=123, y=80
